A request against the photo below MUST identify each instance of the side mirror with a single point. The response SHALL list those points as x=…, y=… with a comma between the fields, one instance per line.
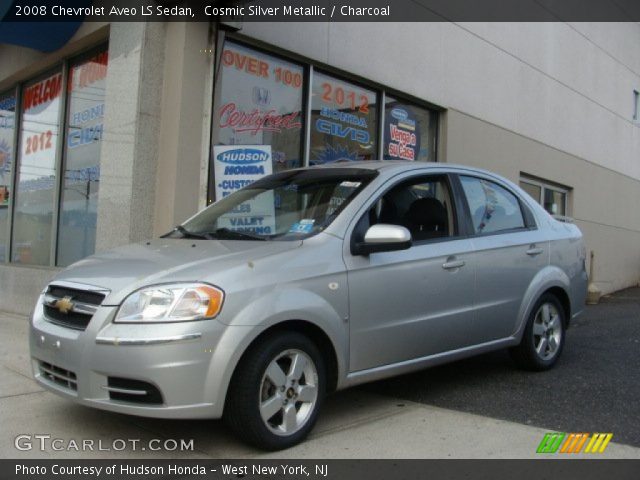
x=384, y=238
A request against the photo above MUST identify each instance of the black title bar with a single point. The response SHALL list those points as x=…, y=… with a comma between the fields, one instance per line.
x=322, y=11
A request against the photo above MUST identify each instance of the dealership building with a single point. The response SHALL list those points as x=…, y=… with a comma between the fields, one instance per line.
x=120, y=132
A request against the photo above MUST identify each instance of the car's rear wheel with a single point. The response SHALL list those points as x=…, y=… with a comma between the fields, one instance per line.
x=276, y=391
x=544, y=335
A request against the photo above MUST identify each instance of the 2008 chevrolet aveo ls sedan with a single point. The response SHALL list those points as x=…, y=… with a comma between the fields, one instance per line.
x=306, y=282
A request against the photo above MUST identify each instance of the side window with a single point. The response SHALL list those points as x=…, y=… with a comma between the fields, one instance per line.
x=492, y=207
x=422, y=205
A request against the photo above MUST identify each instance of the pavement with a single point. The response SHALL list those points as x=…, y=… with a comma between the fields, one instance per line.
x=476, y=408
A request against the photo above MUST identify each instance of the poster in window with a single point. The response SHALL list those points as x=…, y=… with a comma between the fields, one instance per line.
x=401, y=134
x=410, y=131
x=343, y=121
x=237, y=167
x=259, y=102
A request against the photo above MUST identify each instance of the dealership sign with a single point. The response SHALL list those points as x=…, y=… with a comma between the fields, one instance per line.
x=402, y=136
x=235, y=167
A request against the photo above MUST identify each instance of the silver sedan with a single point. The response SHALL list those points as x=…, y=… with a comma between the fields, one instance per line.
x=306, y=282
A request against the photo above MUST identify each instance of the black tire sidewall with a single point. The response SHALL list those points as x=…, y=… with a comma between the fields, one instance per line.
x=526, y=353
x=243, y=413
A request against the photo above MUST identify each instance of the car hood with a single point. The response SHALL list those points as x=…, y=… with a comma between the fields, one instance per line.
x=128, y=268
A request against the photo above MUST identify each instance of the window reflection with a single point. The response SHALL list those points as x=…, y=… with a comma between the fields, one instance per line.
x=36, y=173
x=80, y=185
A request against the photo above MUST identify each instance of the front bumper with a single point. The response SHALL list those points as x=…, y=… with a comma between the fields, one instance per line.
x=177, y=359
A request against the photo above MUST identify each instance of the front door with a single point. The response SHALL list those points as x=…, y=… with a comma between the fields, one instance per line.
x=412, y=303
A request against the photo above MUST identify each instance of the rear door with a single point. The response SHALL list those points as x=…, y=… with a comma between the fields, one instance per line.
x=510, y=250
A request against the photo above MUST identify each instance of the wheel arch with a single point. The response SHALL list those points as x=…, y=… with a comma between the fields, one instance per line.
x=312, y=331
x=552, y=280
x=563, y=297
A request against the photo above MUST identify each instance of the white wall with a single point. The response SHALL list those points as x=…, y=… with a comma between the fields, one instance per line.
x=569, y=86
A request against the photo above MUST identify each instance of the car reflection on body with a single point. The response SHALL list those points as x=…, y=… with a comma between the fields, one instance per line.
x=309, y=281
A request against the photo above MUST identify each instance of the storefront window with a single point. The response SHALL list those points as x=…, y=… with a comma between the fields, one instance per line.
x=344, y=123
x=258, y=104
x=80, y=184
x=39, y=132
x=7, y=127
x=410, y=131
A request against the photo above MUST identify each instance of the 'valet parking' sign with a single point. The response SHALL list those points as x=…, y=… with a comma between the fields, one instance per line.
x=235, y=167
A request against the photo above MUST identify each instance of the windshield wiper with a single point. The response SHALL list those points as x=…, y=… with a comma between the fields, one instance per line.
x=189, y=234
x=231, y=234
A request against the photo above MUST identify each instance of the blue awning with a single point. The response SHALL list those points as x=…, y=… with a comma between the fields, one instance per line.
x=44, y=36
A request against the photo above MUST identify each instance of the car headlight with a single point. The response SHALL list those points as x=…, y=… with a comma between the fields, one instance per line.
x=177, y=302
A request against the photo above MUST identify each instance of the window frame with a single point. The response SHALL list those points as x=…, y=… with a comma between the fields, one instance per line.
x=527, y=216
x=413, y=178
x=17, y=92
x=544, y=185
x=63, y=66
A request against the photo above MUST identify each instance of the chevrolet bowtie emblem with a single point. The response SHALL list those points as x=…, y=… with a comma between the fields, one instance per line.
x=64, y=305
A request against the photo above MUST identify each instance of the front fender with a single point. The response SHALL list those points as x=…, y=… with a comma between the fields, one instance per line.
x=549, y=277
x=267, y=311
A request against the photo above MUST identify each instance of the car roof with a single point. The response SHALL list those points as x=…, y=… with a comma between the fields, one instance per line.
x=402, y=165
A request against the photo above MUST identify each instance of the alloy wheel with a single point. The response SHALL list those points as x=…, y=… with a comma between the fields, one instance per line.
x=547, y=331
x=288, y=392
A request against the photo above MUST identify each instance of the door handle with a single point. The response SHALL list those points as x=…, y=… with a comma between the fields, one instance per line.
x=532, y=252
x=453, y=264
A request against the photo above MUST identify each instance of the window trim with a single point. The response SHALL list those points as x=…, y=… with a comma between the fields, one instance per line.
x=392, y=183
x=17, y=92
x=545, y=185
x=528, y=218
x=63, y=67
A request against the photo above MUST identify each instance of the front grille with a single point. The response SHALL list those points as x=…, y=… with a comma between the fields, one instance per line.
x=133, y=391
x=84, y=296
x=70, y=307
x=59, y=376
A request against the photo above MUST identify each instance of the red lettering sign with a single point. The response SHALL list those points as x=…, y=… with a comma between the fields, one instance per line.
x=403, y=149
x=42, y=92
x=89, y=72
x=256, y=120
x=247, y=63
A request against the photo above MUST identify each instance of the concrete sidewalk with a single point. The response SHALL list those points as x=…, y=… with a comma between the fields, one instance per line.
x=354, y=424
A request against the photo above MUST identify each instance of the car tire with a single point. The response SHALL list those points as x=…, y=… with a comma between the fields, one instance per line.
x=276, y=391
x=544, y=335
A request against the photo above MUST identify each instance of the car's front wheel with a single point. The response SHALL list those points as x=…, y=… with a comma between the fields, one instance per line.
x=276, y=391
x=544, y=335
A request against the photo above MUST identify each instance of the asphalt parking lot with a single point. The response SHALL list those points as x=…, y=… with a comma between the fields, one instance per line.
x=595, y=387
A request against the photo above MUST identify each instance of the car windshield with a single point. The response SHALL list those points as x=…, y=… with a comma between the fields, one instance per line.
x=284, y=206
